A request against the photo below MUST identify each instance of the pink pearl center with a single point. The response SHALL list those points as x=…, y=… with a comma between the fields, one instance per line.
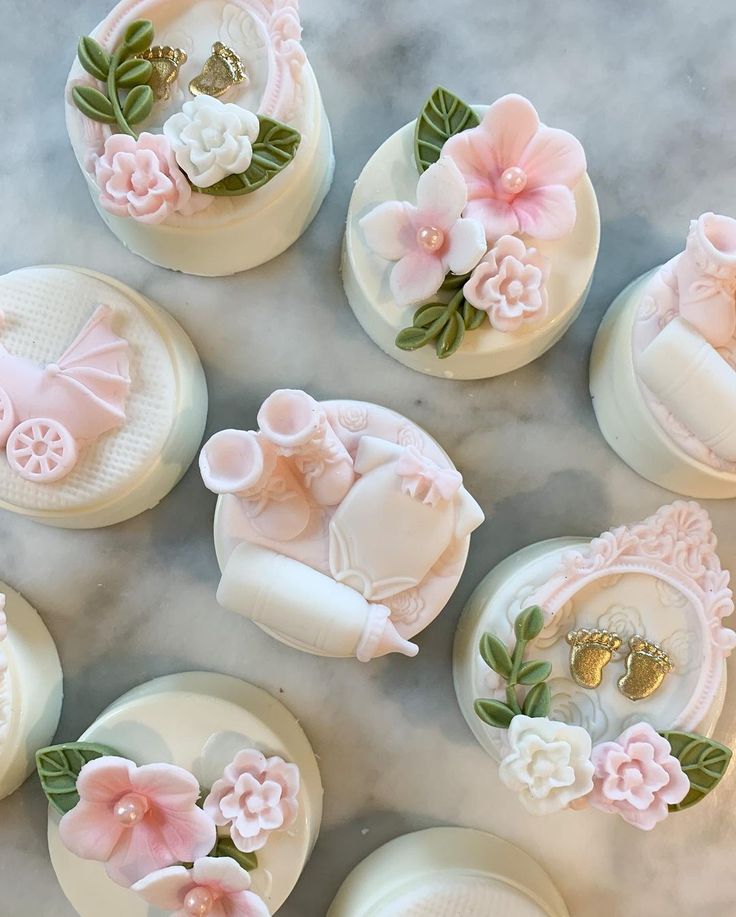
x=199, y=901
x=431, y=238
x=131, y=809
x=515, y=289
x=514, y=180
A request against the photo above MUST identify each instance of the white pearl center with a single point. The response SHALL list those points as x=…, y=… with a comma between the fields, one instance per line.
x=131, y=809
x=515, y=289
x=199, y=901
x=431, y=238
x=514, y=180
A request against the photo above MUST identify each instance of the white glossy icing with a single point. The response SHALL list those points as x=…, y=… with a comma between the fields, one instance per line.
x=133, y=467
x=198, y=721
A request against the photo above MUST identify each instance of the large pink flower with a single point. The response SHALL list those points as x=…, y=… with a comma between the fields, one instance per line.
x=214, y=886
x=256, y=795
x=637, y=777
x=519, y=173
x=141, y=179
x=510, y=284
x=429, y=239
x=136, y=819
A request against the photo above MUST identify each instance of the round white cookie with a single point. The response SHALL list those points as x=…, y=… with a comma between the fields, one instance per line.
x=237, y=233
x=130, y=468
x=198, y=721
x=391, y=174
x=448, y=872
x=30, y=689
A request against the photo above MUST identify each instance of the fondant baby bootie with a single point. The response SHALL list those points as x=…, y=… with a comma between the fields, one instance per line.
x=294, y=422
x=248, y=466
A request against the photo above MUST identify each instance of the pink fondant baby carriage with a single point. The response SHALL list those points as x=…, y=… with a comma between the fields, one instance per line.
x=47, y=413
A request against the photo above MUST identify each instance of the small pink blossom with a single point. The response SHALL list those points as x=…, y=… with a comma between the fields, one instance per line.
x=136, y=819
x=255, y=796
x=637, y=777
x=216, y=886
x=429, y=239
x=519, y=173
x=510, y=285
x=141, y=179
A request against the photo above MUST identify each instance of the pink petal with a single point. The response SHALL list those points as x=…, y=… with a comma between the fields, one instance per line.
x=466, y=245
x=416, y=277
x=140, y=851
x=250, y=843
x=441, y=195
x=678, y=786
x=90, y=831
x=213, y=802
x=105, y=779
x=247, y=824
x=511, y=123
x=545, y=213
x=222, y=873
x=271, y=819
x=389, y=229
x=165, y=888
x=553, y=157
x=473, y=153
x=188, y=835
x=244, y=904
x=285, y=774
x=167, y=786
x=496, y=217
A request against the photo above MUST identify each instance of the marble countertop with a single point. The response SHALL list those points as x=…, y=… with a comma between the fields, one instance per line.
x=649, y=88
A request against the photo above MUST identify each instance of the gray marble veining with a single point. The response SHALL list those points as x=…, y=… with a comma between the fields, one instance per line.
x=649, y=88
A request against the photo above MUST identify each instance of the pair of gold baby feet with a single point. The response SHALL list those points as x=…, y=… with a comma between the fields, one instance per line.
x=591, y=650
x=222, y=70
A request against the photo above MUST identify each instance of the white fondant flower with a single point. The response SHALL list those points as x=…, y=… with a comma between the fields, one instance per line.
x=549, y=763
x=429, y=239
x=509, y=284
x=212, y=139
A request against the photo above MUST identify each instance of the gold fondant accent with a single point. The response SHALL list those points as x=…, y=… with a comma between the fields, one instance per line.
x=590, y=653
x=222, y=70
x=646, y=667
x=166, y=62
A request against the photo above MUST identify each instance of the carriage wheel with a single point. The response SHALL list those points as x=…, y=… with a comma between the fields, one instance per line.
x=41, y=450
x=7, y=417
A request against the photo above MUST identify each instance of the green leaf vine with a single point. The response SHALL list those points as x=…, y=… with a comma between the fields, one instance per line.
x=59, y=766
x=442, y=116
x=225, y=847
x=704, y=762
x=121, y=70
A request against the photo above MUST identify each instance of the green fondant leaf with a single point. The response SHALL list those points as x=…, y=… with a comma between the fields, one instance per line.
x=472, y=317
x=138, y=37
x=529, y=623
x=429, y=314
x=453, y=282
x=92, y=103
x=494, y=712
x=138, y=105
x=412, y=338
x=703, y=760
x=495, y=655
x=133, y=72
x=93, y=57
x=538, y=700
x=451, y=337
x=532, y=673
x=273, y=150
x=59, y=766
x=443, y=116
x=226, y=848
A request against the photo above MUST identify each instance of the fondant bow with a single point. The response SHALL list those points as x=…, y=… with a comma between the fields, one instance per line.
x=424, y=480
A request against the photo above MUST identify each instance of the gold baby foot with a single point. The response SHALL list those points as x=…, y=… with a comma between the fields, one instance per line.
x=222, y=70
x=646, y=666
x=590, y=652
x=166, y=63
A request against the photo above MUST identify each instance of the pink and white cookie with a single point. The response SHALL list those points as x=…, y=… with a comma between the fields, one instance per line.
x=102, y=398
x=594, y=672
x=195, y=794
x=200, y=130
x=341, y=527
x=471, y=238
x=663, y=367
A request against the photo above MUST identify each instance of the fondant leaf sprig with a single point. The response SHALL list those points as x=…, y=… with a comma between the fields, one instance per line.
x=516, y=672
x=443, y=116
x=121, y=70
x=442, y=323
x=703, y=761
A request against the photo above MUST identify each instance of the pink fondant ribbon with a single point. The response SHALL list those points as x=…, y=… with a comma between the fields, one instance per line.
x=424, y=480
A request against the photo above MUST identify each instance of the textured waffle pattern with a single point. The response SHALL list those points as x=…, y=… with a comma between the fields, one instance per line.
x=462, y=896
x=44, y=310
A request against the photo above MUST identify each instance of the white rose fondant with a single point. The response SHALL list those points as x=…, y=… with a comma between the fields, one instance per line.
x=102, y=398
x=200, y=130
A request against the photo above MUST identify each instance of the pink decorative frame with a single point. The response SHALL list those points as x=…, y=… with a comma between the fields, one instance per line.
x=676, y=545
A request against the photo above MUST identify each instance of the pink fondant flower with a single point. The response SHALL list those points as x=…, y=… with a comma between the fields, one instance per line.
x=429, y=239
x=510, y=285
x=255, y=796
x=637, y=777
x=519, y=173
x=214, y=886
x=136, y=819
x=141, y=179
